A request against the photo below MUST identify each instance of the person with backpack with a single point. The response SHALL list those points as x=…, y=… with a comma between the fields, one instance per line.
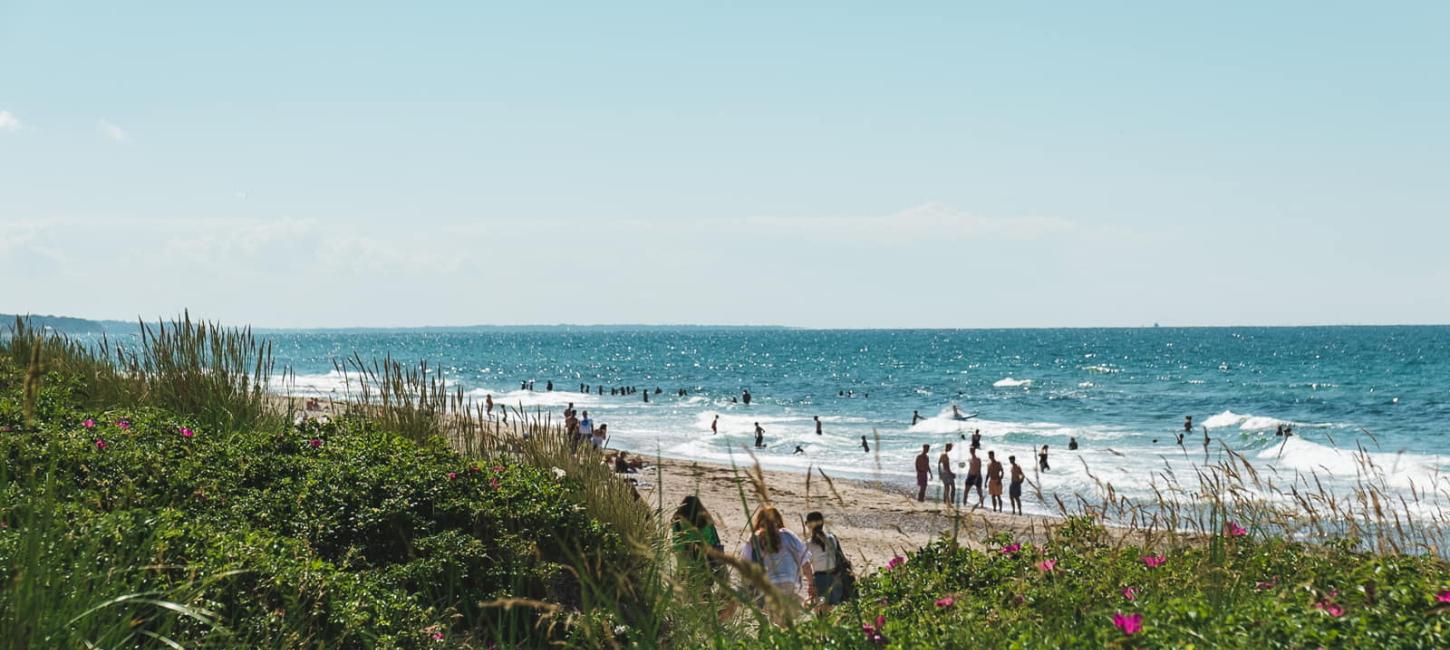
x=782, y=557
x=832, y=569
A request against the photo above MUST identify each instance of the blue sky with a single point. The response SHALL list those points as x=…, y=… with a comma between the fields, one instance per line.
x=824, y=164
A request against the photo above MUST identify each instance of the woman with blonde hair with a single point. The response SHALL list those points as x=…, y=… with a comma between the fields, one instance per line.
x=783, y=557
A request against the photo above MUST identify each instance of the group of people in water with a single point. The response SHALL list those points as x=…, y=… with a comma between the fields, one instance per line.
x=779, y=556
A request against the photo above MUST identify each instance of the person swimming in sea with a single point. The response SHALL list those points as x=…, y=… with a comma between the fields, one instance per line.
x=798, y=450
x=1072, y=443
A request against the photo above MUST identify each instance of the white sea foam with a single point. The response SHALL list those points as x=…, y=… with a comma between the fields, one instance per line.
x=328, y=384
x=1398, y=470
x=1008, y=382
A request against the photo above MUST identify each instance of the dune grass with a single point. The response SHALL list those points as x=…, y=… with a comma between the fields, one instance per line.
x=414, y=518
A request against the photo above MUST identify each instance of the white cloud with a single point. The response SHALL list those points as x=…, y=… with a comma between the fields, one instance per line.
x=8, y=122
x=115, y=133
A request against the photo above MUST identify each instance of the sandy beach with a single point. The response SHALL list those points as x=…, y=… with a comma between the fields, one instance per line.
x=873, y=521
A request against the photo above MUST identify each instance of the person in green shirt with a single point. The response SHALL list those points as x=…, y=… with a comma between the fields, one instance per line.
x=693, y=532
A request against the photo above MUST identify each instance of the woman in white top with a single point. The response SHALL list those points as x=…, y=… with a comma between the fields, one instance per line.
x=825, y=549
x=784, y=558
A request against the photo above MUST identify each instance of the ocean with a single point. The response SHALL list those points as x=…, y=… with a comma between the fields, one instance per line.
x=1123, y=393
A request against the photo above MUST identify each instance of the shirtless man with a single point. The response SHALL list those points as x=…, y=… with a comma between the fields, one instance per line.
x=715, y=425
x=923, y=472
x=974, y=478
x=759, y=436
x=916, y=417
x=818, y=425
x=948, y=479
x=994, y=480
x=976, y=439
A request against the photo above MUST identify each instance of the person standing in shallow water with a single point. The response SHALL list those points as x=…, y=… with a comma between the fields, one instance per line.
x=994, y=480
x=1014, y=491
x=1042, y=459
x=818, y=425
x=923, y=472
x=866, y=447
x=715, y=425
x=916, y=417
x=759, y=436
x=976, y=439
x=745, y=397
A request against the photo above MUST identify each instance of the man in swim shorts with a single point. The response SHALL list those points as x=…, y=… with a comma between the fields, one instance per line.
x=923, y=472
x=974, y=478
x=948, y=478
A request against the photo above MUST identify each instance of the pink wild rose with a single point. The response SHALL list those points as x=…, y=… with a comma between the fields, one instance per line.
x=1046, y=566
x=452, y=476
x=1330, y=608
x=89, y=423
x=946, y=602
x=186, y=432
x=315, y=442
x=1154, y=561
x=1130, y=624
x=895, y=562
x=1443, y=596
x=100, y=443
x=1235, y=530
x=124, y=425
x=1011, y=549
x=437, y=636
x=1130, y=593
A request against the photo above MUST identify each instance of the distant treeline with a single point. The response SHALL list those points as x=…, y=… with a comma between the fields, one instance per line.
x=68, y=324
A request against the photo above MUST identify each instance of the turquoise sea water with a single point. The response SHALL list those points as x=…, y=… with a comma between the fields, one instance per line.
x=1122, y=392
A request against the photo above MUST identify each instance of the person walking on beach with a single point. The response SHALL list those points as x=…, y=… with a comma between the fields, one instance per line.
x=976, y=439
x=994, y=481
x=923, y=472
x=571, y=425
x=600, y=435
x=916, y=417
x=828, y=560
x=818, y=425
x=715, y=424
x=782, y=556
x=948, y=478
x=759, y=436
x=1042, y=459
x=974, y=478
x=864, y=445
x=1014, y=491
